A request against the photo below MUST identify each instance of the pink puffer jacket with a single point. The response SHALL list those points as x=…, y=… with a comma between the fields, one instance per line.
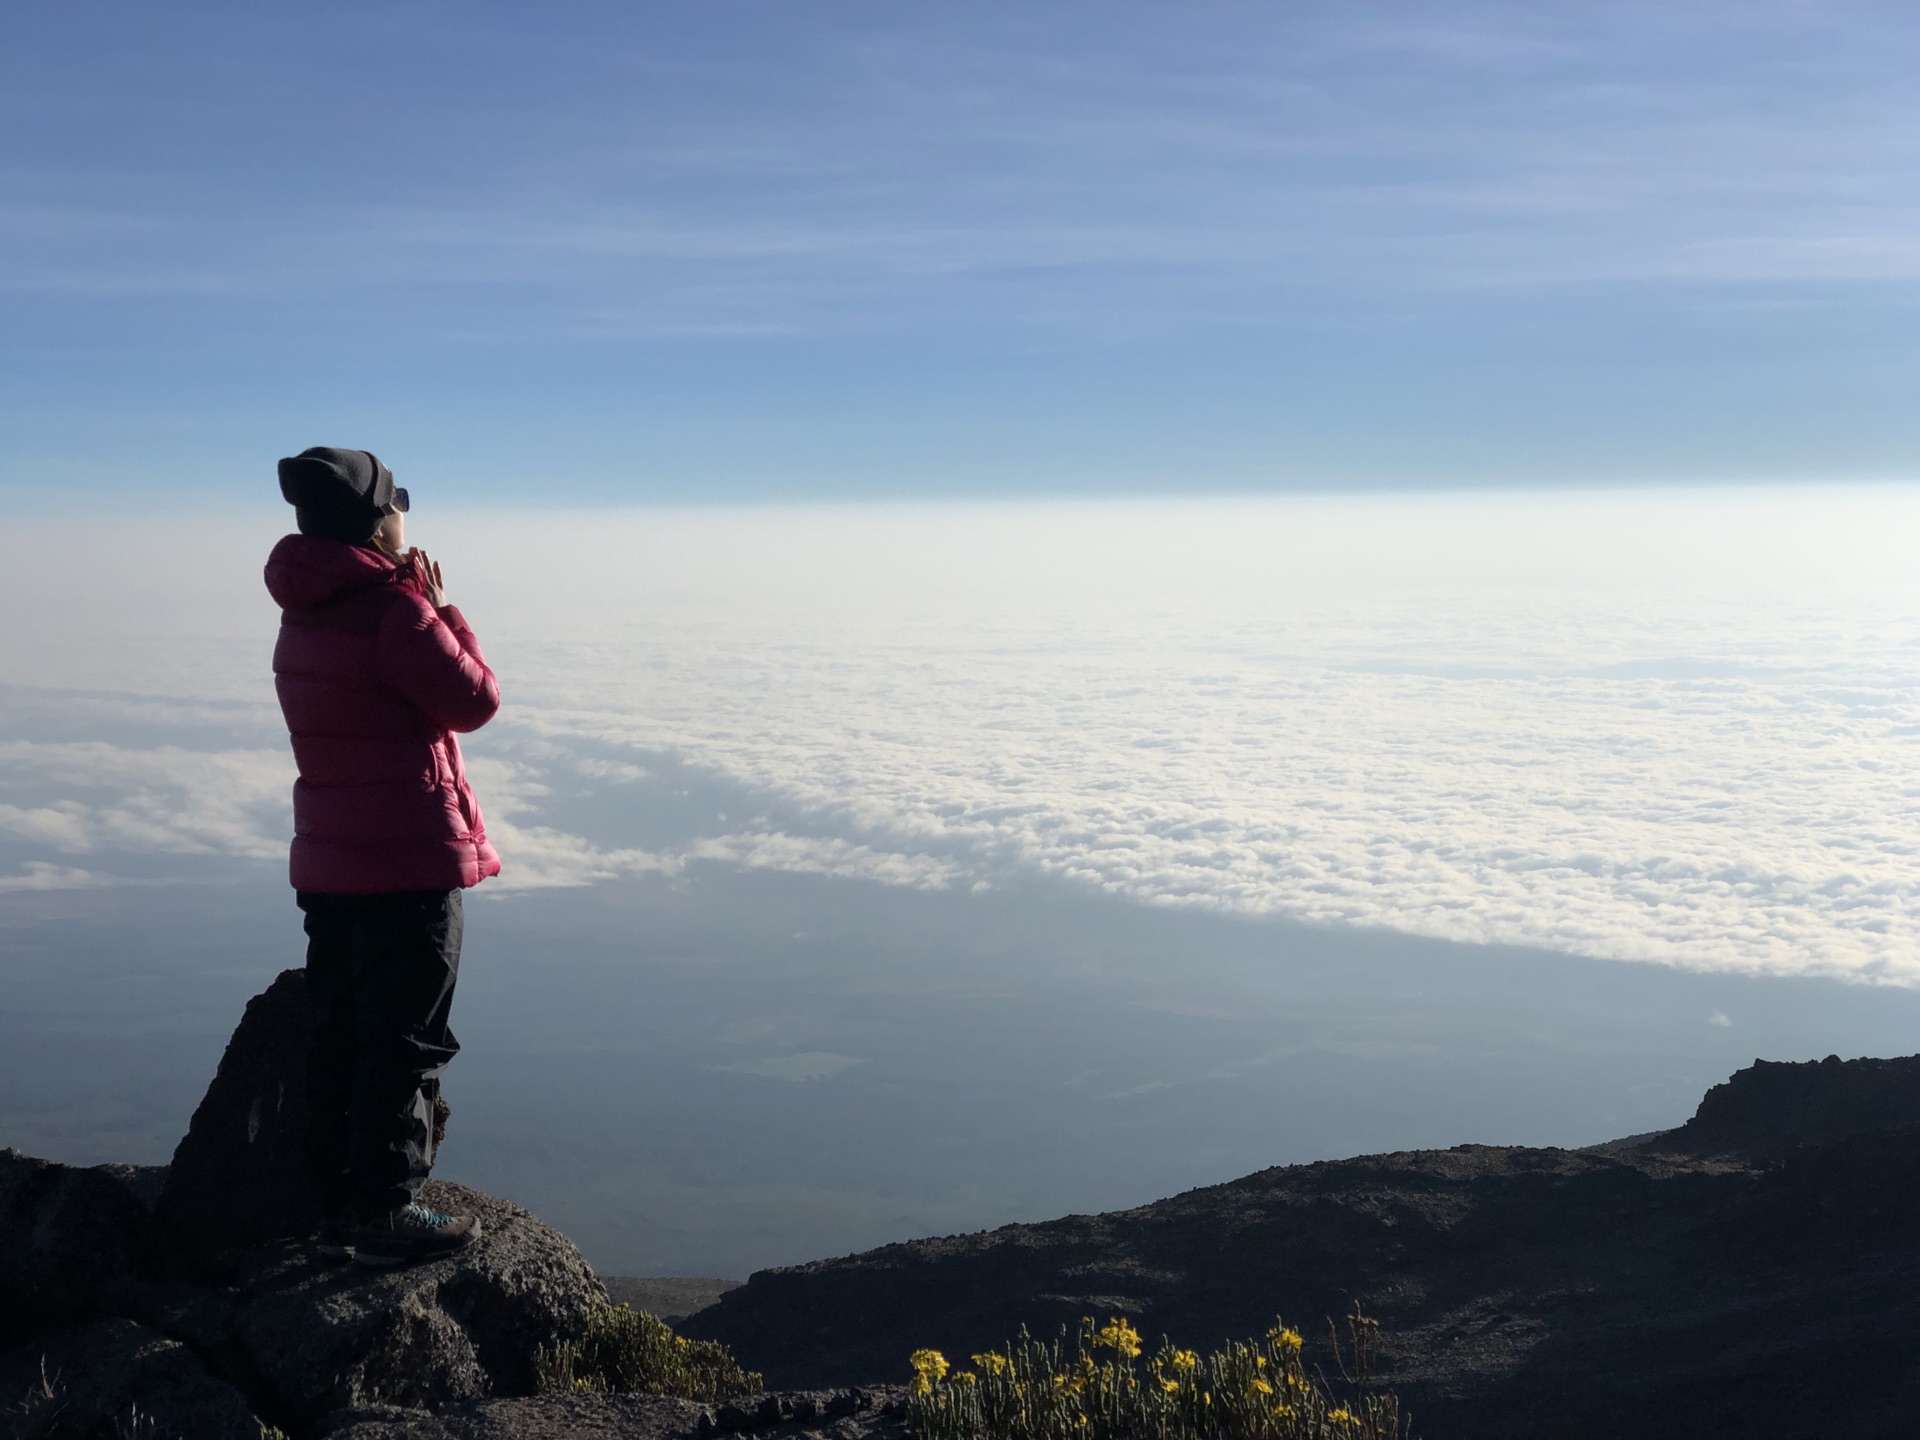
x=374, y=682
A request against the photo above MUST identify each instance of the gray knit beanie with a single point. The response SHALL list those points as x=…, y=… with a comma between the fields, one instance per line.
x=340, y=494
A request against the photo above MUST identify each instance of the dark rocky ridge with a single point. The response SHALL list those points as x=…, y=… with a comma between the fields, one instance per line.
x=1754, y=1273
x=1773, y=1109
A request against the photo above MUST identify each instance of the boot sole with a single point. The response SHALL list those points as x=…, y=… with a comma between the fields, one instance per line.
x=392, y=1261
x=379, y=1257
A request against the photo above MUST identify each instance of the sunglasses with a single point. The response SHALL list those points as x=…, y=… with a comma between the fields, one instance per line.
x=398, y=502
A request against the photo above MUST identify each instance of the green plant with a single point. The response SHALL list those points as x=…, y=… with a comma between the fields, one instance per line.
x=1104, y=1387
x=626, y=1350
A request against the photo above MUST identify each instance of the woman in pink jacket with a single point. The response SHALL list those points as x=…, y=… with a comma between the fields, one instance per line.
x=376, y=675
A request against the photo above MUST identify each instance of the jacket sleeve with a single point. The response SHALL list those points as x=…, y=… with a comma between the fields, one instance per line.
x=433, y=659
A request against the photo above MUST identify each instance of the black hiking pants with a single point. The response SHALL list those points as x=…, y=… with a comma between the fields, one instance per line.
x=380, y=975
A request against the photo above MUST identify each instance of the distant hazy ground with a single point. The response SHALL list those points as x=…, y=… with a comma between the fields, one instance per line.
x=875, y=871
x=748, y=1069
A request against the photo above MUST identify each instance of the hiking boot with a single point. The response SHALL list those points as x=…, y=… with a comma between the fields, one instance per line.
x=412, y=1233
x=334, y=1242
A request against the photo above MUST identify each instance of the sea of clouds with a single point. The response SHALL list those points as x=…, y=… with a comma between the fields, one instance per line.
x=1659, y=725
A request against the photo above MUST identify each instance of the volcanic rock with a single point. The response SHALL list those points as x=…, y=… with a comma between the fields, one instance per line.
x=1777, y=1108
x=293, y=1339
x=323, y=1338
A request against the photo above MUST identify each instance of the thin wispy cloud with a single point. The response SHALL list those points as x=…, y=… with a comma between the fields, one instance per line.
x=911, y=249
x=1496, y=146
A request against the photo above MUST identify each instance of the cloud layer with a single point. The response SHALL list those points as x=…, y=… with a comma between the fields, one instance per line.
x=1675, y=728
x=1709, y=764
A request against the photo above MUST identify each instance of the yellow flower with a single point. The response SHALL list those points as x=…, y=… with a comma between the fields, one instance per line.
x=1285, y=1339
x=1170, y=1387
x=1261, y=1387
x=1119, y=1336
x=993, y=1362
x=1185, y=1360
x=1340, y=1415
x=929, y=1368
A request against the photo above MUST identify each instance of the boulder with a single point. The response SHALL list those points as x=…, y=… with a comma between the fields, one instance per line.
x=322, y=1338
x=73, y=1245
x=114, y=1377
x=239, y=1175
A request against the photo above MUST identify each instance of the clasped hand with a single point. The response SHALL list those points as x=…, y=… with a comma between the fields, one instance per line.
x=427, y=572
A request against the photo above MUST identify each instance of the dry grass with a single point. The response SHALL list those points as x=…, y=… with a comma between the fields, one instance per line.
x=625, y=1351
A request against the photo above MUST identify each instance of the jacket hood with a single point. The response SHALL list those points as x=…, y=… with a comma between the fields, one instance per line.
x=308, y=570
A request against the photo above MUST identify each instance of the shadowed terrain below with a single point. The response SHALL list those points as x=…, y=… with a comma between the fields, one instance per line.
x=1755, y=1272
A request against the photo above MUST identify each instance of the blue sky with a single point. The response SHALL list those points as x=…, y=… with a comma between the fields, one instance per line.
x=736, y=251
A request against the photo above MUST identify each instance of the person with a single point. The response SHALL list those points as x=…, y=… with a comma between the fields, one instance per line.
x=376, y=675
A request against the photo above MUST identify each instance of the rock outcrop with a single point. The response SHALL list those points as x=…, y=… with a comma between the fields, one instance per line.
x=323, y=1338
x=1716, y=1281
x=183, y=1295
x=1774, y=1109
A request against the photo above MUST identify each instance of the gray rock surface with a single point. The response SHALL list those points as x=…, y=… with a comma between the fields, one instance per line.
x=107, y=1375
x=321, y=1337
x=865, y=1414
x=300, y=1337
x=73, y=1244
